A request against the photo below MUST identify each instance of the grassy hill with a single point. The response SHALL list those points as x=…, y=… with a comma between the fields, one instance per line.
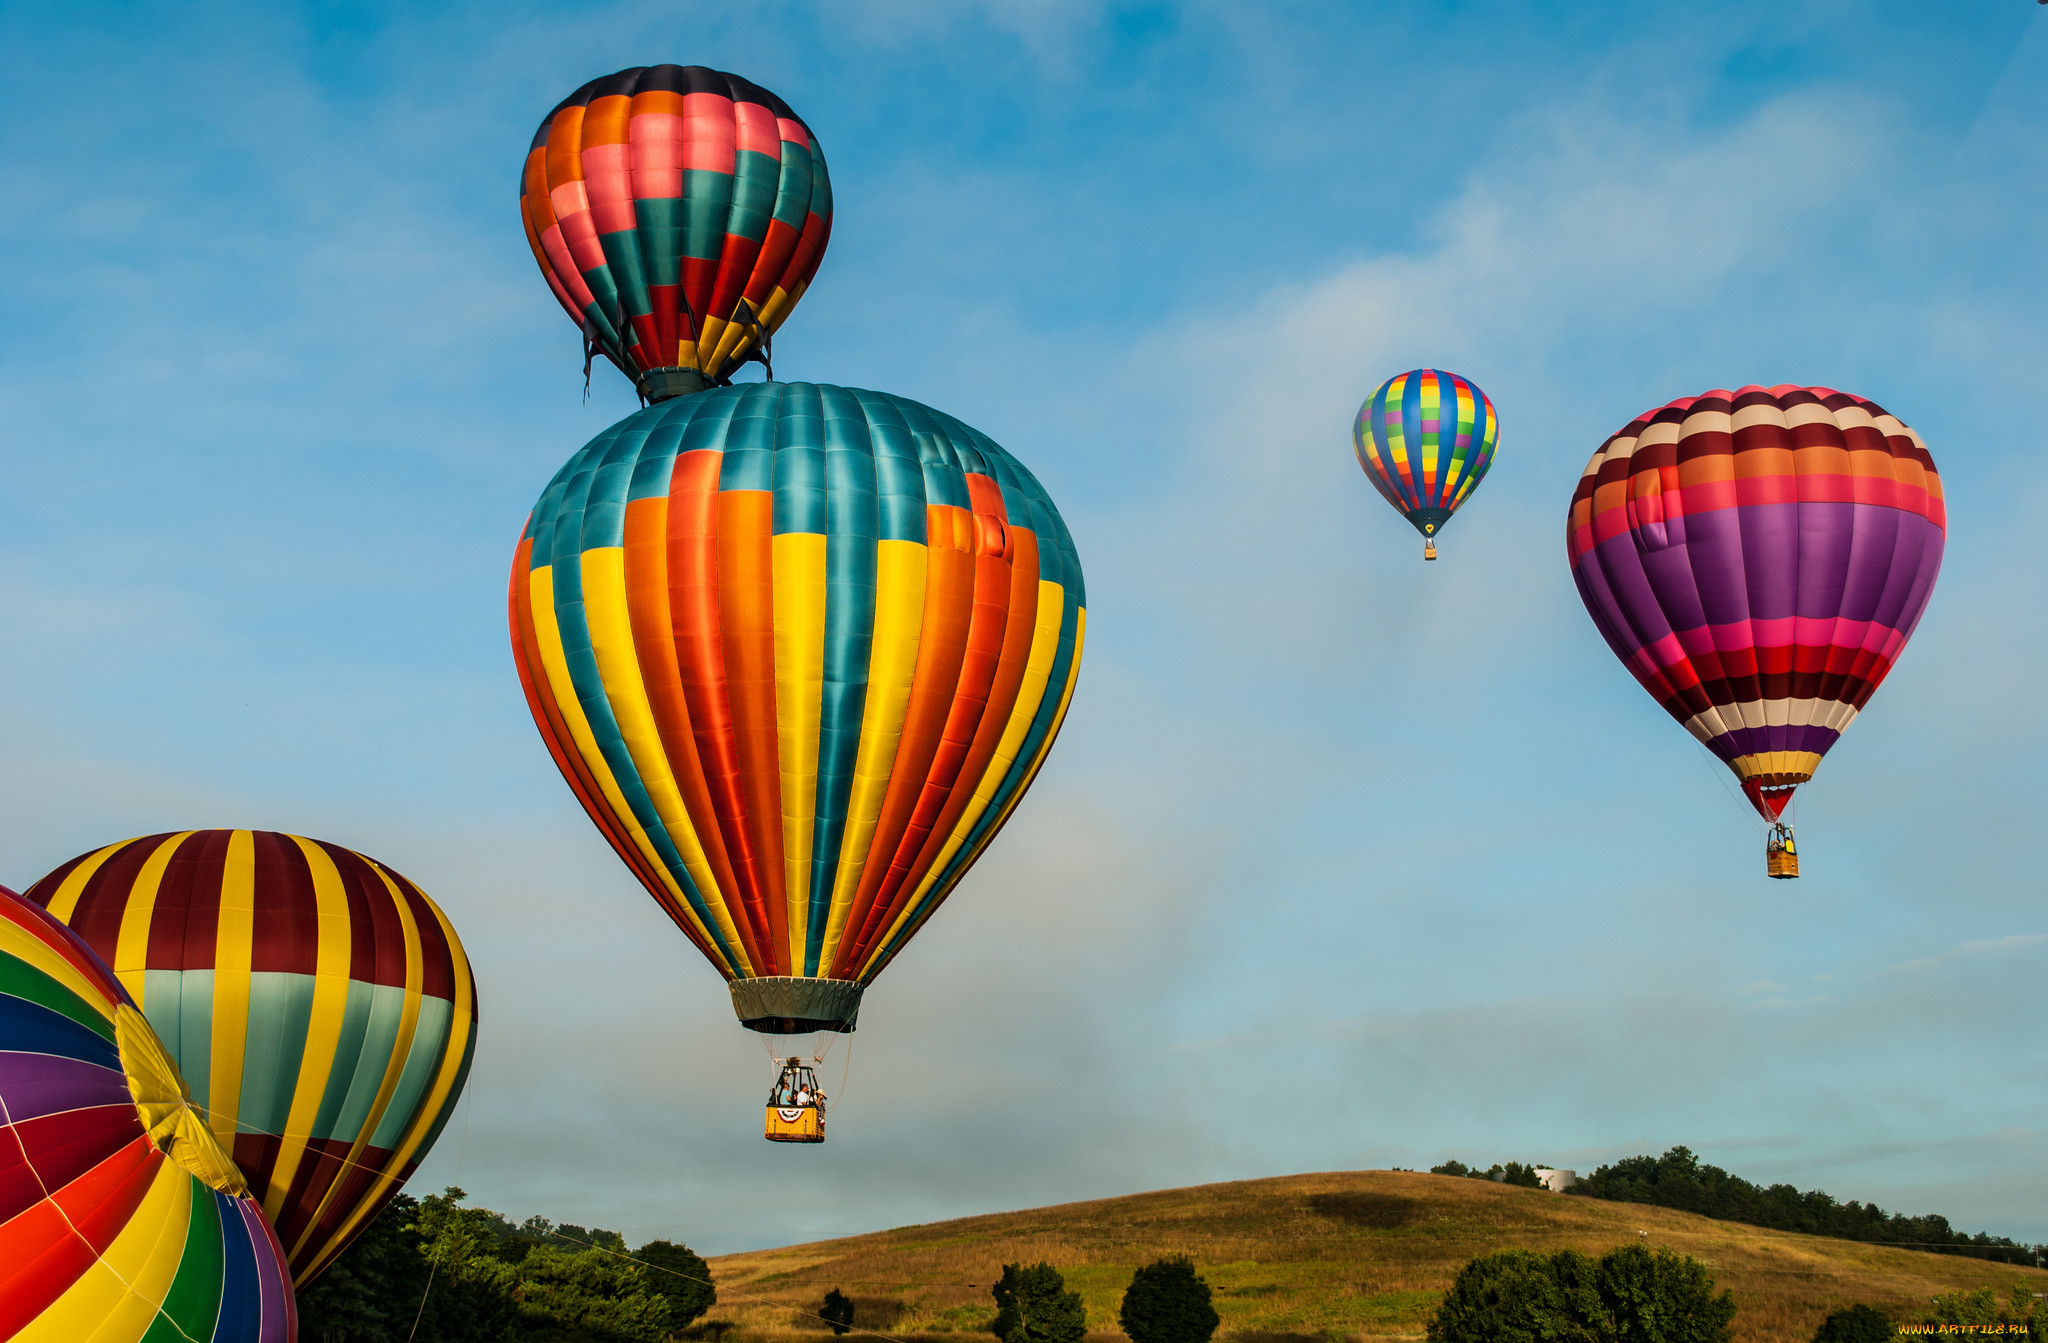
x=1303, y=1258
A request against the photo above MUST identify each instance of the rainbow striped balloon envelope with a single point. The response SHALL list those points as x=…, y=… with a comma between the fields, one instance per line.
x=1757, y=559
x=319, y=1003
x=799, y=650
x=1425, y=439
x=121, y=1219
x=678, y=214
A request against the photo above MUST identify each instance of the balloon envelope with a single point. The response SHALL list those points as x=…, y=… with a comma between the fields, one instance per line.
x=1425, y=439
x=1757, y=559
x=319, y=1004
x=678, y=214
x=120, y=1218
x=799, y=650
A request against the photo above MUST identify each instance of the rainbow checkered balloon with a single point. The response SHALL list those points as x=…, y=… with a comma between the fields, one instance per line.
x=1425, y=439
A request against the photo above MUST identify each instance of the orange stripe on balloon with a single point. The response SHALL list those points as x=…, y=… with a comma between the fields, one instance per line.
x=1012, y=662
x=694, y=619
x=948, y=612
x=987, y=629
x=746, y=600
x=654, y=642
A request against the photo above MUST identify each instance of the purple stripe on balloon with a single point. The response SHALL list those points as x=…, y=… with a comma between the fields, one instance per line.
x=269, y=1274
x=1782, y=737
x=42, y=1084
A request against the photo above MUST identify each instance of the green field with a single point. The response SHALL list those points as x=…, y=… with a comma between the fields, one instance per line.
x=1358, y=1255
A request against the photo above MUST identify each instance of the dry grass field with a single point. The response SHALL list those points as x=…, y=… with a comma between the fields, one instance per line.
x=1306, y=1258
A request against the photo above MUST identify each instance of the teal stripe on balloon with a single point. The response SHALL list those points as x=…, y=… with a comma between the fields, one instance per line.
x=852, y=521
x=380, y=1042
x=707, y=203
x=178, y=1005
x=899, y=476
x=793, y=194
x=660, y=225
x=280, y=1011
x=755, y=179
x=348, y=1056
x=429, y=1040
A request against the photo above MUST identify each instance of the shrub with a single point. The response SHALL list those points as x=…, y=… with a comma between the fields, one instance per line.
x=1033, y=1305
x=1168, y=1303
x=837, y=1311
x=1856, y=1324
x=677, y=1274
x=1629, y=1296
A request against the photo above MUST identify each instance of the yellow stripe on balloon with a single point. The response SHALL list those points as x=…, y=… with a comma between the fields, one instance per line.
x=233, y=945
x=323, y=1027
x=65, y=902
x=799, y=583
x=394, y=1067
x=610, y=623
x=41, y=956
x=117, y=1295
x=892, y=665
x=459, y=1025
x=556, y=666
x=131, y=945
x=1045, y=647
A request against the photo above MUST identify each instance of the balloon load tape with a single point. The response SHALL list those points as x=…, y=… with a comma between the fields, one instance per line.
x=789, y=1005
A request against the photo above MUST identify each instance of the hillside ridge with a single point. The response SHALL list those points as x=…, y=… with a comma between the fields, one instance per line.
x=1304, y=1258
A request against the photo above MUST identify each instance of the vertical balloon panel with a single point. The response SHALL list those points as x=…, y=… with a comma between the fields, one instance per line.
x=319, y=1003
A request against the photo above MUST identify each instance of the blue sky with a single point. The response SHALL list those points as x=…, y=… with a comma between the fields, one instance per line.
x=1341, y=861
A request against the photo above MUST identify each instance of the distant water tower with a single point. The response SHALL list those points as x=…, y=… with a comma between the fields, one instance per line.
x=1557, y=1181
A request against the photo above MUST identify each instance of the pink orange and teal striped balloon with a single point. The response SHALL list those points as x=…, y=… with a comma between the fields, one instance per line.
x=1425, y=439
x=121, y=1218
x=678, y=214
x=798, y=650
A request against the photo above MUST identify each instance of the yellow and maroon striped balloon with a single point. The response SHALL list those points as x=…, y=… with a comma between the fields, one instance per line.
x=319, y=1005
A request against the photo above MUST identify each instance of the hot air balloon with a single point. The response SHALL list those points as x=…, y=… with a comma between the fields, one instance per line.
x=678, y=213
x=799, y=650
x=1757, y=559
x=319, y=1003
x=1425, y=439
x=120, y=1217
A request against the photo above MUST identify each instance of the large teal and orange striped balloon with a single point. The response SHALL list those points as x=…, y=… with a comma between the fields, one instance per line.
x=319, y=1004
x=678, y=214
x=1425, y=439
x=121, y=1219
x=799, y=650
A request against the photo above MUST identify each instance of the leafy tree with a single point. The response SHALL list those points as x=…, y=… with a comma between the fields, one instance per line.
x=837, y=1311
x=587, y=1296
x=1451, y=1167
x=1629, y=1296
x=1856, y=1324
x=372, y=1290
x=676, y=1273
x=1663, y=1298
x=1033, y=1305
x=1516, y=1173
x=1518, y=1296
x=1168, y=1303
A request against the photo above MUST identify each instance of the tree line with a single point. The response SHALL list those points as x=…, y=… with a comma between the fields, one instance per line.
x=431, y=1271
x=1680, y=1180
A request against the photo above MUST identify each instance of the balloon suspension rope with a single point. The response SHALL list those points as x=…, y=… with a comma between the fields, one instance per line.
x=7, y=1118
x=727, y=1293
x=461, y=1159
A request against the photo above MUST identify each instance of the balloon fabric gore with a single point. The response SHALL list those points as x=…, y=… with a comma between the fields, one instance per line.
x=120, y=1217
x=1425, y=440
x=318, y=1003
x=678, y=214
x=798, y=650
x=1757, y=559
